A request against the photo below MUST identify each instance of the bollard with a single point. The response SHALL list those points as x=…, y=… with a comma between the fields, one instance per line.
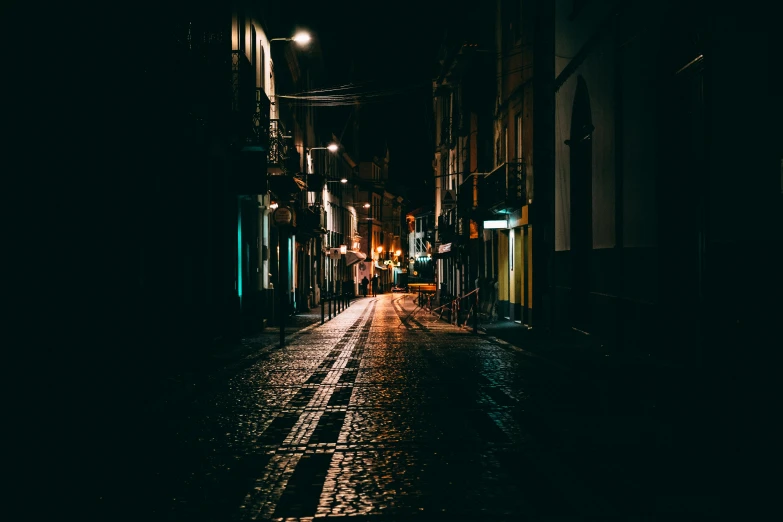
x=322, y=310
x=330, y=307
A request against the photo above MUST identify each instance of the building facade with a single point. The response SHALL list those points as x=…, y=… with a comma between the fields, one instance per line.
x=600, y=205
x=645, y=171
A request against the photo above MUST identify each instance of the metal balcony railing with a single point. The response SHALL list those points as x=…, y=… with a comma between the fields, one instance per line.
x=447, y=228
x=243, y=97
x=505, y=188
x=278, y=150
x=312, y=221
x=258, y=140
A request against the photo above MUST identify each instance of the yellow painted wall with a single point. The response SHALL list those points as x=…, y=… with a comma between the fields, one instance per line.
x=503, y=265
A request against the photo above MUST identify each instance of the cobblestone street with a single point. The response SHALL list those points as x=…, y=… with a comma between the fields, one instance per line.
x=386, y=411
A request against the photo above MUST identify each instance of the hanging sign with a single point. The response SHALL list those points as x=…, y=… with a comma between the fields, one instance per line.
x=282, y=216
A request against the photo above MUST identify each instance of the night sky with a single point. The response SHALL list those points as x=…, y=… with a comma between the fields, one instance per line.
x=382, y=47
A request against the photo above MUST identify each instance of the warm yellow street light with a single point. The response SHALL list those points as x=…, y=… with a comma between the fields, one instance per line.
x=397, y=253
x=379, y=249
x=332, y=147
x=300, y=38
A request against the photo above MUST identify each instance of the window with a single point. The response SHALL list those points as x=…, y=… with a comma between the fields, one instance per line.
x=253, y=47
x=240, y=32
x=262, y=66
x=503, y=143
x=512, y=29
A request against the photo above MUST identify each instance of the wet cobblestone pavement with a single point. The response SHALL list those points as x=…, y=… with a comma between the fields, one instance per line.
x=388, y=415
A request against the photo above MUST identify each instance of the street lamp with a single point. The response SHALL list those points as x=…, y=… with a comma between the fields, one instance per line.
x=332, y=147
x=300, y=38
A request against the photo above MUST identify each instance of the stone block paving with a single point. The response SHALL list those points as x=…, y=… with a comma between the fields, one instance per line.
x=382, y=414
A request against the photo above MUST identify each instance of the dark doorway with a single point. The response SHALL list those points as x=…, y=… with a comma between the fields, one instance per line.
x=581, y=160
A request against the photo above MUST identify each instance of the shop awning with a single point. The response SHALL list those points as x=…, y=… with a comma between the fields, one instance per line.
x=354, y=256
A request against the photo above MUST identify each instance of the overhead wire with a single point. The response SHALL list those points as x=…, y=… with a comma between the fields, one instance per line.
x=327, y=98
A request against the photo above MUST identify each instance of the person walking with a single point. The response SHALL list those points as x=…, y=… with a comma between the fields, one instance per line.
x=365, y=282
x=375, y=285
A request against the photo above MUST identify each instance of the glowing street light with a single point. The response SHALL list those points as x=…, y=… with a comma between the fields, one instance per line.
x=397, y=253
x=332, y=147
x=300, y=38
x=379, y=249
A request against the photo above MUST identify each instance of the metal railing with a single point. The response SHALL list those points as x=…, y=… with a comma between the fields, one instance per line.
x=259, y=139
x=278, y=150
x=505, y=187
x=457, y=310
x=243, y=84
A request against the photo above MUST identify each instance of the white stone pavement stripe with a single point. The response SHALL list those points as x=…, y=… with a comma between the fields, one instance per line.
x=281, y=466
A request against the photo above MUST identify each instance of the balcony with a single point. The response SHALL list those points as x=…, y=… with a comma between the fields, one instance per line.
x=258, y=140
x=447, y=229
x=243, y=99
x=471, y=195
x=278, y=148
x=311, y=222
x=505, y=188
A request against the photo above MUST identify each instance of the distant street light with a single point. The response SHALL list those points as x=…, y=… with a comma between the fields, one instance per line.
x=332, y=147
